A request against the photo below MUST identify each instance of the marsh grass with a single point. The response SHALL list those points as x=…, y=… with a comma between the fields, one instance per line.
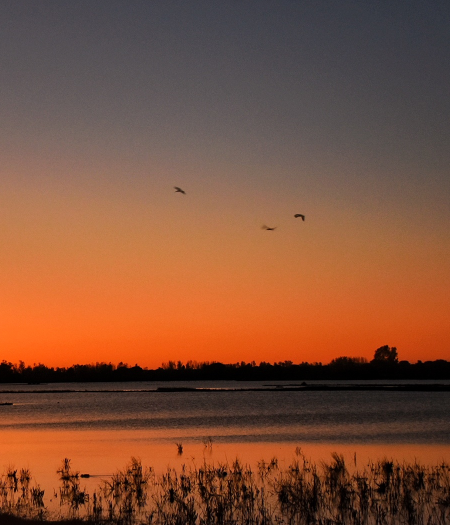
x=383, y=493
x=18, y=497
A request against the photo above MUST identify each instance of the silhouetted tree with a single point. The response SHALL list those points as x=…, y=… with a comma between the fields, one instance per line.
x=385, y=365
x=6, y=371
x=386, y=354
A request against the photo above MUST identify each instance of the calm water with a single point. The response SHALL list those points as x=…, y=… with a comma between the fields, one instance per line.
x=230, y=415
x=100, y=426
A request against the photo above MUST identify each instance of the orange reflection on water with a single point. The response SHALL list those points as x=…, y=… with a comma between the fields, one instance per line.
x=102, y=453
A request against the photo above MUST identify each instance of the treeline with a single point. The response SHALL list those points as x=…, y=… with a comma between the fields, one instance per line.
x=385, y=365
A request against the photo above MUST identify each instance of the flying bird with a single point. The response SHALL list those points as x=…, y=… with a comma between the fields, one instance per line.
x=264, y=227
x=179, y=190
x=299, y=215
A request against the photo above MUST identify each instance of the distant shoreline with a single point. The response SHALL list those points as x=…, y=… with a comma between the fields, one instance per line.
x=305, y=387
x=384, y=366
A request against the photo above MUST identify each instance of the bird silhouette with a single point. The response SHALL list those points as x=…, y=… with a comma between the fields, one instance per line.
x=299, y=215
x=264, y=227
x=179, y=190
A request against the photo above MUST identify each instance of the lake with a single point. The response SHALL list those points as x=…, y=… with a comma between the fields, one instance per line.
x=100, y=426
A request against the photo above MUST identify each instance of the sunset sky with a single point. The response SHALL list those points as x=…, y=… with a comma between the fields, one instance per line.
x=258, y=109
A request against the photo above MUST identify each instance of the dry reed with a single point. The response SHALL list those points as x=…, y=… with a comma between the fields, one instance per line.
x=383, y=493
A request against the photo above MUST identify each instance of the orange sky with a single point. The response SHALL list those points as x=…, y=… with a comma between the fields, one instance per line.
x=95, y=279
x=102, y=261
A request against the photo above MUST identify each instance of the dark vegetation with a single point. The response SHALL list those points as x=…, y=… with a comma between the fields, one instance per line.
x=8, y=519
x=304, y=493
x=384, y=365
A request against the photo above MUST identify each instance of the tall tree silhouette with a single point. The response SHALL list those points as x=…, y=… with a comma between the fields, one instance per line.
x=386, y=354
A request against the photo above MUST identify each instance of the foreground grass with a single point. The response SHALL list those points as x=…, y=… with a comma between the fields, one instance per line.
x=383, y=493
x=8, y=519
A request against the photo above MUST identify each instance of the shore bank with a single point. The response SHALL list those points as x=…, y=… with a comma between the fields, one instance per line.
x=303, y=387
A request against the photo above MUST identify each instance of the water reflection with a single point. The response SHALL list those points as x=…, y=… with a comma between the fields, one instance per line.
x=101, y=431
x=421, y=417
x=100, y=455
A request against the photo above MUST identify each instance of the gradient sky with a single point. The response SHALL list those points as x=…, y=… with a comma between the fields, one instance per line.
x=259, y=110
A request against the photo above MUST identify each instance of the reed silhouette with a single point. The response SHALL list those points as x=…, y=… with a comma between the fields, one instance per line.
x=382, y=493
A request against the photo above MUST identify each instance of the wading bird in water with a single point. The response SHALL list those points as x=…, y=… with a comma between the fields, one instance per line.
x=264, y=227
x=179, y=190
x=297, y=215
